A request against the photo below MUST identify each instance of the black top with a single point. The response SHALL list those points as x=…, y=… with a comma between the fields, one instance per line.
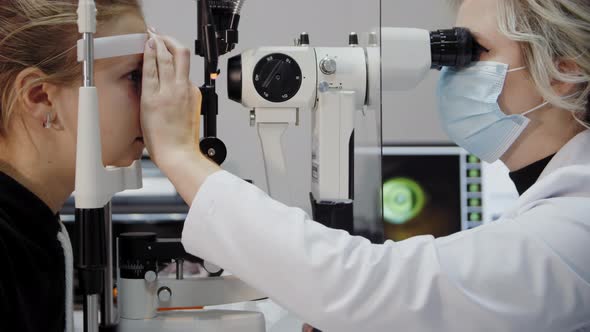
x=32, y=263
x=526, y=177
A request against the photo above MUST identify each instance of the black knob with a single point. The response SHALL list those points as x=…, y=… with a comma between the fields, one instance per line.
x=304, y=39
x=277, y=77
x=214, y=149
x=353, y=39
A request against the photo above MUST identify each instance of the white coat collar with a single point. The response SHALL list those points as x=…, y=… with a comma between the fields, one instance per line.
x=574, y=152
x=566, y=175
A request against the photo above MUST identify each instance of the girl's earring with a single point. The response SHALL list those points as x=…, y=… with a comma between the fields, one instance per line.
x=47, y=124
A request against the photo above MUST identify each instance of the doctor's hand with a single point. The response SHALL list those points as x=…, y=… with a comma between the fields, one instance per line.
x=170, y=115
x=170, y=103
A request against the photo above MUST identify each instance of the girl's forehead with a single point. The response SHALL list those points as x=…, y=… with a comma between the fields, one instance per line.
x=128, y=23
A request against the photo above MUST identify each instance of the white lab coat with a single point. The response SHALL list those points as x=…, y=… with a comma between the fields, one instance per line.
x=530, y=271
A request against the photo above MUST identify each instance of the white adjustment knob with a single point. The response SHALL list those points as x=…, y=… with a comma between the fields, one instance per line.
x=150, y=276
x=324, y=87
x=211, y=268
x=328, y=66
x=164, y=294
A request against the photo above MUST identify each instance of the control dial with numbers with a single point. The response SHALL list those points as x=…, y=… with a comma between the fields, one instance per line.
x=277, y=77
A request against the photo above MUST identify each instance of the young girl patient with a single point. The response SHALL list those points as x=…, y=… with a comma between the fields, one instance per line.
x=39, y=82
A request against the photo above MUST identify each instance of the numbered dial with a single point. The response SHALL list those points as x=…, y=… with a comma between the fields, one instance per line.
x=277, y=78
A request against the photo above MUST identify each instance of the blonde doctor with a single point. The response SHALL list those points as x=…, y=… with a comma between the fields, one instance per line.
x=525, y=103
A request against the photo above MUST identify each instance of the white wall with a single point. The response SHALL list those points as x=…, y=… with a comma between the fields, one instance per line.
x=411, y=117
x=278, y=23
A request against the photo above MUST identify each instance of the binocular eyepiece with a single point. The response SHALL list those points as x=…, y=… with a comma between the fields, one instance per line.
x=454, y=48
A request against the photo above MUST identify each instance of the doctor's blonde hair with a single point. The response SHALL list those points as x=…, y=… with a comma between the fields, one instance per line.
x=549, y=31
x=42, y=34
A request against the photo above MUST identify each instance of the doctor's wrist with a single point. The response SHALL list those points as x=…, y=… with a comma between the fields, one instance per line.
x=187, y=170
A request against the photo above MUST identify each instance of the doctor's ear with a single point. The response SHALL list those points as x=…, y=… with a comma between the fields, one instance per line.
x=35, y=96
x=568, y=68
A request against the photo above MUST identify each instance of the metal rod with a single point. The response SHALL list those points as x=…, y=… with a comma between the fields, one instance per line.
x=91, y=313
x=179, y=269
x=86, y=24
x=91, y=302
x=107, y=304
x=88, y=60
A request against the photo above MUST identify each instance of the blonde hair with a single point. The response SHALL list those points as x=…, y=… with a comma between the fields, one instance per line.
x=42, y=34
x=549, y=31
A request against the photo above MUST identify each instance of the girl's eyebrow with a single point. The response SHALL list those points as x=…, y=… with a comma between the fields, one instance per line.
x=133, y=62
x=136, y=61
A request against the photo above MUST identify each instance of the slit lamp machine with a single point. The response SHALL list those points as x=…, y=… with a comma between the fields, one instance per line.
x=276, y=84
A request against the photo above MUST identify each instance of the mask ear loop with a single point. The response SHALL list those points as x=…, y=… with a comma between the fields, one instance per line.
x=535, y=109
x=578, y=120
x=545, y=104
x=516, y=69
x=581, y=122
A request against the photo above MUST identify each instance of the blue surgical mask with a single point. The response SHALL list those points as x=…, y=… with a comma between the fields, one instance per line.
x=469, y=110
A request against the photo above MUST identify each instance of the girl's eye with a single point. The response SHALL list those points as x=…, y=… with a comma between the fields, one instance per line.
x=135, y=76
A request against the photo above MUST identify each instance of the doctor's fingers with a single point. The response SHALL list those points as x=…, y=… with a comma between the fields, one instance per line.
x=150, y=78
x=182, y=58
x=165, y=62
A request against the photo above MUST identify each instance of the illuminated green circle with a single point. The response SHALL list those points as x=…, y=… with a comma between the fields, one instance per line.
x=472, y=159
x=403, y=199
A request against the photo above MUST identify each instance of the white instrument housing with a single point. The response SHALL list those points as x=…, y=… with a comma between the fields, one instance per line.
x=336, y=83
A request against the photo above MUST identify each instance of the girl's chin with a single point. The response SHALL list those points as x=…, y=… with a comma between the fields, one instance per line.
x=135, y=153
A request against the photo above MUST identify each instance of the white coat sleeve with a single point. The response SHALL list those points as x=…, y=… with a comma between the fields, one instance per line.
x=500, y=277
